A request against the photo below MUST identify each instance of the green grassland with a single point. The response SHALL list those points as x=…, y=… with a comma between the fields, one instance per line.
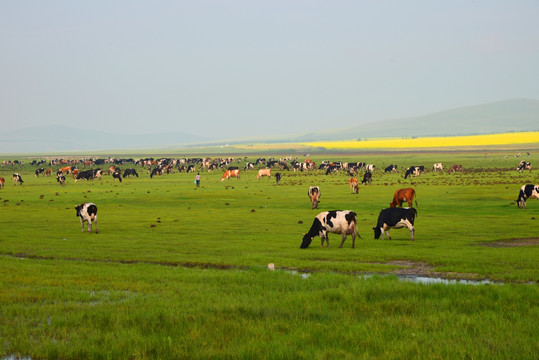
x=177, y=271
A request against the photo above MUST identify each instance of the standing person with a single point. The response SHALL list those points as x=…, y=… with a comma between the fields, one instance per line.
x=197, y=180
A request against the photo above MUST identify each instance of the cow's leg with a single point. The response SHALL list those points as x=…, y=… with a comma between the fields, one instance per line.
x=81, y=225
x=89, y=225
x=95, y=224
x=343, y=239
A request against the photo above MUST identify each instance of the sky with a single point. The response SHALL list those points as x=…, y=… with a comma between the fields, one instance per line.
x=245, y=68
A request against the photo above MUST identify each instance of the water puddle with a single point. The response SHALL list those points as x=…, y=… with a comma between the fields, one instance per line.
x=424, y=280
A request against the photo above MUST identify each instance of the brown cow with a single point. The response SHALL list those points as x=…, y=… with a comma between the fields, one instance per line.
x=66, y=170
x=353, y=185
x=2, y=182
x=48, y=172
x=455, y=168
x=263, y=172
x=314, y=195
x=403, y=195
x=231, y=173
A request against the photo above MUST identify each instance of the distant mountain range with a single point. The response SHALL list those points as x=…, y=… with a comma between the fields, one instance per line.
x=497, y=117
x=46, y=139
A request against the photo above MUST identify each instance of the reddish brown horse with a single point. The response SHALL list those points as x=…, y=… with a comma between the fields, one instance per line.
x=403, y=195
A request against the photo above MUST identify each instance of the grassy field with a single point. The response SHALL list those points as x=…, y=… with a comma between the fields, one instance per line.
x=181, y=272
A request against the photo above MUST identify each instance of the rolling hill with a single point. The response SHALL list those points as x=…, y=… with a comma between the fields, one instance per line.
x=497, y=117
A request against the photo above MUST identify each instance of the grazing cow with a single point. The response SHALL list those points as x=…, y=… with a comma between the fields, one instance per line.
x=391, y=168
x=367, y=178
x=524, y=166
x=39, y=171
x=87, y=212
x=395, y=218
x=438, y=166
x=130, y=172
x=263, y=172
x=370, y=167
x=61, y=179
x=84, y=175
x=66, y=170
x=527, y=192
x=314, y=195
x=278, y=178
x=17, y=179
x=2, y=182
x=403, y=195
x=455, y=168
x=231, y=173
x=342, y=222
x=354, y=187
x=117, y=175
x=414, y=170
x=48, y=172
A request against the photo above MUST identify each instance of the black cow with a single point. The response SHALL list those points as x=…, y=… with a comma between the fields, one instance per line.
x=395, y=218
x=391, y=168
x=130, y=172
x=87, y=212
x=85, y=175
x=342, y=222
x=367, y=178
x=278, y=178
x=527, y=192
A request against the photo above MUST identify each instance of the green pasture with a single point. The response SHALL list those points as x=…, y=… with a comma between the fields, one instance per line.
x=177, y=271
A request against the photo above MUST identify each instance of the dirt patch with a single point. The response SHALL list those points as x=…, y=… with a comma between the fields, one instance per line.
x=512, y=243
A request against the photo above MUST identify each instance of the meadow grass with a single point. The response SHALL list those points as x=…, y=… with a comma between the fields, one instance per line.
x=180, y=272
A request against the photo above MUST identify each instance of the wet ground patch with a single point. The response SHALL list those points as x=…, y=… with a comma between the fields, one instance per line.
x=513, y=242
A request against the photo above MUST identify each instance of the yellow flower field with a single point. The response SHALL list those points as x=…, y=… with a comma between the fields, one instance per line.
x=432, y=142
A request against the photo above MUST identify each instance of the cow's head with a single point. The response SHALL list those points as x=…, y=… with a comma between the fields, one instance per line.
x=521, y=203
x=307, y=239
x=78, y=208
x=377, y=232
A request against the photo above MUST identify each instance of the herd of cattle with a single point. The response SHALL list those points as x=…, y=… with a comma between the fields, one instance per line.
x=337, y=221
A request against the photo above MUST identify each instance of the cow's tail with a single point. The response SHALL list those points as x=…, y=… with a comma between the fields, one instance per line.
x=415, y=199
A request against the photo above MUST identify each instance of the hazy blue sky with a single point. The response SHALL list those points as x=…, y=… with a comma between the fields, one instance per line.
x=236, y=68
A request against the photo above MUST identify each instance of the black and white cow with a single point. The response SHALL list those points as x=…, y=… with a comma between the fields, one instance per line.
x=367, y=178
x=438, y=166
x=314, y=194
x=395, y=218
x=370, y=167
x=40, y=171
x=527, y=192
x=17, y=179
x=342, y=222
x=117, y=175
x=391, y=168
x=61, y=179
x=523, y=165
x=414, y=170
x=87, y=212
